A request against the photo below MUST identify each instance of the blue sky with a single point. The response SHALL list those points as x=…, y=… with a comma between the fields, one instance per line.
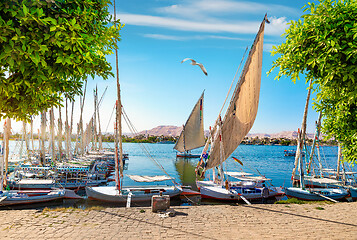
x=158, y=90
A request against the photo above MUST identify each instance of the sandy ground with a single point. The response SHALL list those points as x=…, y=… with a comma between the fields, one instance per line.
x=260, y=221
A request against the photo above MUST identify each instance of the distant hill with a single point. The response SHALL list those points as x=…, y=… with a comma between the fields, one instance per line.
x=175, y=131
x=163, y=131
x=284, y=134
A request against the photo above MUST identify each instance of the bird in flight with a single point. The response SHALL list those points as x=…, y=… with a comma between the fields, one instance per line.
x=193, y=62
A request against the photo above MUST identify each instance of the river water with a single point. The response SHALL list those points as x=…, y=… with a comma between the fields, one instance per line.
x=265, y=160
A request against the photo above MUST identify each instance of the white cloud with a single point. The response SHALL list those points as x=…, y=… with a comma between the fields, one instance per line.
x=268, y=47
x=166, y=37
x=186, y=25
x=195, y=9
x=186, y=38
x=277, y=26
x=212, y=16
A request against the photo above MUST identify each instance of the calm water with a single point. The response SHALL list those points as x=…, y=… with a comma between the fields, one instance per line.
x=266, y=160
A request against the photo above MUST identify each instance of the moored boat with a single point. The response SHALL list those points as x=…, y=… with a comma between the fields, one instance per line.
x=135, y=194
x=13, y=197
x=229, y=131
x=316, y=194
x=192, y=134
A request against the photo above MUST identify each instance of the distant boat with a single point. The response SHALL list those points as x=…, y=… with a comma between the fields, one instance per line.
x=291, y=153
x=192, y=135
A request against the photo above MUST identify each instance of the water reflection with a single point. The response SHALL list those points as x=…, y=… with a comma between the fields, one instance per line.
x=186, y=170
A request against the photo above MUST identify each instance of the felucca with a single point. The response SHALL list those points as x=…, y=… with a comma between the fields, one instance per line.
x=228, y=133
x=192, y=135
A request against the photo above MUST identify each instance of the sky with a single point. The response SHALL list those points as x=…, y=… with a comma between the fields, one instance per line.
x=157, y=89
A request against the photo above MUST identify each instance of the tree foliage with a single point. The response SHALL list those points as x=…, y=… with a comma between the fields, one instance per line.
x=322, y=45
x=47, y=50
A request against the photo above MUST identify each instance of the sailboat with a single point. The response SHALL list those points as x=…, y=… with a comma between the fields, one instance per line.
x=25, y=197
x=327, y=178
x=228, y=133
x=301, y=192
x=118, y=193
x=192, y=135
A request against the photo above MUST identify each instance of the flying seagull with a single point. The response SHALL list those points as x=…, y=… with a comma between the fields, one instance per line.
x=193, y=62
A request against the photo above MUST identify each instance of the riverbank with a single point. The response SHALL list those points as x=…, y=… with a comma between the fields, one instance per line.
x=260, y=221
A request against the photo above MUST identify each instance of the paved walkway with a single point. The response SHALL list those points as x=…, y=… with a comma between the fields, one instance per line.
x=269, y=221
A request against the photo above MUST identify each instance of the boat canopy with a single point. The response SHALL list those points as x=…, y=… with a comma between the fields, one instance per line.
x=323, y=180
x=247, y=176
x=238, y=174
x=158, y=178
x=254, y=179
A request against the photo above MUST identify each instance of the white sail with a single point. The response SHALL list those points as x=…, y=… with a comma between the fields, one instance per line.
x=243, y=107
x=192, y=135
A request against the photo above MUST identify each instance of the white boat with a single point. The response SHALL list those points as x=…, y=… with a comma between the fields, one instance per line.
x=235, y=191
x=192, y=134
x=316, y=194
x=13, y=197
x=228, y=133
x=69, y=177
x=118, y=193
x=135, y=194
x=26, y=197
x=324, y=184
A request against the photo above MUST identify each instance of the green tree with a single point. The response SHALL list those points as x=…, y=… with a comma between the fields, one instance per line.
x=322, y=45
x=47, y=50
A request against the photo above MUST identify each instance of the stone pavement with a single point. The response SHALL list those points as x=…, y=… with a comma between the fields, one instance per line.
x=260, y=221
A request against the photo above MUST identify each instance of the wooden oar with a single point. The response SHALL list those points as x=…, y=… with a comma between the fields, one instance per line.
x=3, y=198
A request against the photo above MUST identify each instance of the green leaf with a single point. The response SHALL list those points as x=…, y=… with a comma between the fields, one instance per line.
x=25, y=9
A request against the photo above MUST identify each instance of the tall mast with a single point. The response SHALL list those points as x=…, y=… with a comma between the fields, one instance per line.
x=24, y=124
x=338, y=161
x=99, y=128
x=52, y=132
x=43, y=136
x=59, y=133
x=32, y=140
x=70, y=133
x=79, y=144
x=316, y=137
x=118, y=172
x=301, y=138
x=7, y=133
x=95, y=120
x=67, y=131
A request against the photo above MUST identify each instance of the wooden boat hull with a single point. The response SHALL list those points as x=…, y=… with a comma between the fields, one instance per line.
x=183, y=155
x=138, y=194
x=38, y=184
x=190, y=196
x=211, y=190
x=22, y=197
x=315, y=193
